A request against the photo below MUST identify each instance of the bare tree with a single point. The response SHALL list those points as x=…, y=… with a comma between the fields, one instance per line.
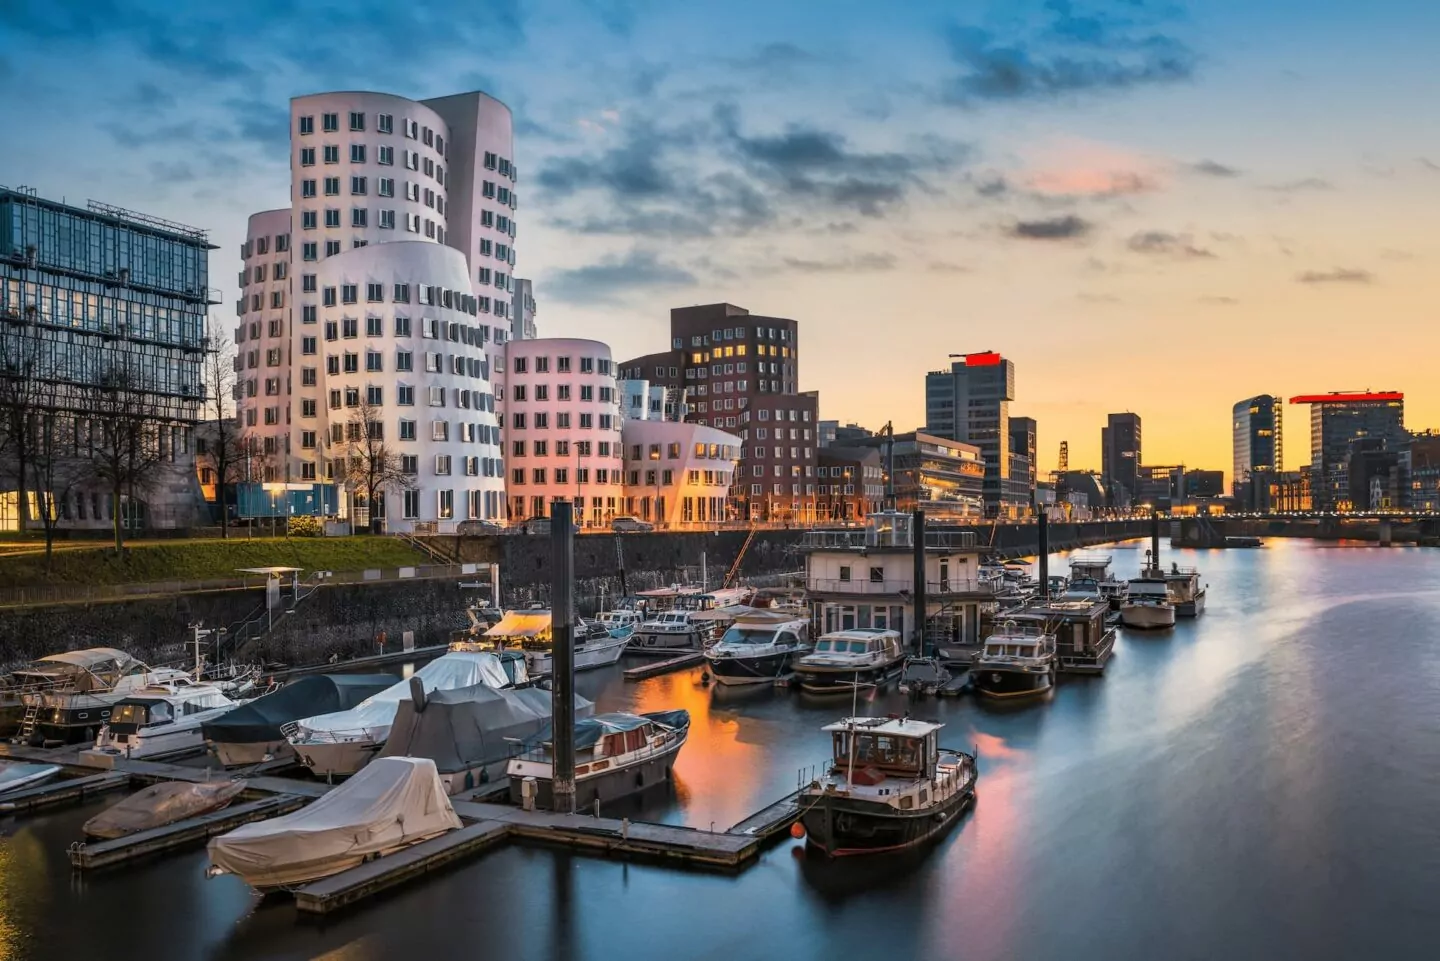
x=228, y=452
x=24, y=377
x=56, y=469
x=372, y=468
x=125, y=451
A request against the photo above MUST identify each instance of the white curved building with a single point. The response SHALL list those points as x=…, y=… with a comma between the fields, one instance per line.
x=382, y=174
x=678, y=474
x=262, y=340
x=561, y=421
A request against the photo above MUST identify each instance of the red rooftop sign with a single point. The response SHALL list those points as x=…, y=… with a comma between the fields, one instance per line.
x=988, y=359
x=1347, y=398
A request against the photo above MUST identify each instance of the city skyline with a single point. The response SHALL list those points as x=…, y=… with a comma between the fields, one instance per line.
x=1092, y=190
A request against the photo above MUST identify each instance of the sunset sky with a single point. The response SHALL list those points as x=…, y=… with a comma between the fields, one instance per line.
x=1151, y=206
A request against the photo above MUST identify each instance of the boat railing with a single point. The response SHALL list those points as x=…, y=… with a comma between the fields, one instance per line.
x=1186, y=571
x=847, y=540
x=945, y=587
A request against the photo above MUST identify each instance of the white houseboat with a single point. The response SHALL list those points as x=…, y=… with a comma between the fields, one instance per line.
x=615, y=755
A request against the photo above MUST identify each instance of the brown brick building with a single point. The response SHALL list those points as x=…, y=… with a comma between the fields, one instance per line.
x=740, y=373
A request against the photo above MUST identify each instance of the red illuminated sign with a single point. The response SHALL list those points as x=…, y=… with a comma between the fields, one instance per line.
x=1347, y=398
x=988, y=359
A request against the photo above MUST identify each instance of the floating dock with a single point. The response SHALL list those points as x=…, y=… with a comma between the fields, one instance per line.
x=86, y=856
x=656, y=668
x=769, y=822
x=56, y=793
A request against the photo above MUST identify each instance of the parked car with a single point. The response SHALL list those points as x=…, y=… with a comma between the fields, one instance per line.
x=630, y=525
x=478, y=527
x=536, y=525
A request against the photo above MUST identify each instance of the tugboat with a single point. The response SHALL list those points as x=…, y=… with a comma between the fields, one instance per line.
x=1015, y=663
x=890, y=786
x=757, y=649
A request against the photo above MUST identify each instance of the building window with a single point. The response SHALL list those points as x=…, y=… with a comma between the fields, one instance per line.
x=411, y=508
x=357, y=217
x=442, y=464
x=357, y=153
x=307, y=125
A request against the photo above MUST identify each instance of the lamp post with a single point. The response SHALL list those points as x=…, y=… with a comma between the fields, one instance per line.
x=272, y=489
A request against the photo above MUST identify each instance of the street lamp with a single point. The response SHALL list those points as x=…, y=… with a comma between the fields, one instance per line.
x=272, y=489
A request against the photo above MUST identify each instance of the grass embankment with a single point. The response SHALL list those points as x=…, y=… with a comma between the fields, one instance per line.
x=154, y=561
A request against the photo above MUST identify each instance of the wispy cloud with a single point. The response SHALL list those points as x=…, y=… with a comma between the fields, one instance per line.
x=1164, y=244
x=1218, y=300
x=611, y=278
x=1300, y=186
x=1069, y=227
x=860, y=263
x=1213, y=168
x=1338, y=275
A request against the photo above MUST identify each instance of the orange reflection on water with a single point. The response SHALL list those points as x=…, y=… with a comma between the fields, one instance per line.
x=22, y=878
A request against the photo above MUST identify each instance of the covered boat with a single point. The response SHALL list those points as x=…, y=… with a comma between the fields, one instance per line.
x=251, y=733
x=392, y=804
x=471, y=732
x=162, y=804
x=340, y=743
x=15, y=775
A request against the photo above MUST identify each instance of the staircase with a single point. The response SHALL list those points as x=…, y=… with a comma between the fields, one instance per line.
x=734, y=570
x=258, y=624
x=428, y=547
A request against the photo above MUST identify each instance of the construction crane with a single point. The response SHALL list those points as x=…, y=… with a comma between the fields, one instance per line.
x=1064, y=456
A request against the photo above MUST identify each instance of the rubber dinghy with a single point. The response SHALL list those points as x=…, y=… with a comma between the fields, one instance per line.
x=393, y=803
x=161, y=804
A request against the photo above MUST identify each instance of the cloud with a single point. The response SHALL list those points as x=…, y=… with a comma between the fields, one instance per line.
x=614, y=276
x=1429, y=164
x=1068, y=227
x=617, y=16
x=1091, y=183
x=1068, y=53
x=1214, y=169
x=1299, y=186
x=1218, y=300
x=1161, y=243
x=1339, y=275
x=863, y=263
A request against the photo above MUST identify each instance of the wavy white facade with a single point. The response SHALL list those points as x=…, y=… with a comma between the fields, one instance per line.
x=562, y=429
x=376, y=179
x=678, y=474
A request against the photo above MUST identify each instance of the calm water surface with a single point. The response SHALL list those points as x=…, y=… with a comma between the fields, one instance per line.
x=1262, y=783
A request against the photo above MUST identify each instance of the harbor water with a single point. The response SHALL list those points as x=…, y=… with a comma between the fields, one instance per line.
x=1259, y=783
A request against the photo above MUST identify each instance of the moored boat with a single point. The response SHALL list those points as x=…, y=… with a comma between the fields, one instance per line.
x=1186, y=591
x=15, y=775
x=890, y=786
x=530, y=631
x=162, y=718
x=1147, y=604
x=1015, y=662
x=251, y=733
x=669, y=632
x=843, y=660
x=66, y=697
x=615, y=755
x=757, y=648
x=162, y=804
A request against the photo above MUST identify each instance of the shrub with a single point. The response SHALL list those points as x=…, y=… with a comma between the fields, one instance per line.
x=306, y=526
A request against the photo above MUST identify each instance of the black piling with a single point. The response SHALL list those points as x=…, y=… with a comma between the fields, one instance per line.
x=1042, y=522
x=918, y=532
x=1154, y=539
x=562, y=657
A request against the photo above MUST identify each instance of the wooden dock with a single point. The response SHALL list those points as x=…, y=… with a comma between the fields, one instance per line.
x=86, y=856
x=656, y=668
x=56, y=793
x=770, y=821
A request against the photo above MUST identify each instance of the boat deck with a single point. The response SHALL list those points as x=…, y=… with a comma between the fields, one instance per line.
x=770, y=821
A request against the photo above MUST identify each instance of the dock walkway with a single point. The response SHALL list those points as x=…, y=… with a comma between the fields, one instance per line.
x=86, y=856
x=690, y=659
x=770, y=821
x=71, y=791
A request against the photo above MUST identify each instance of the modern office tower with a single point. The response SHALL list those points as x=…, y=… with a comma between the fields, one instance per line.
x=379, y=301
x=944, y=477
x=970, y=402
x=1023, y=458
x=1336, y=419
x=102, y=315
x=1259, y=450
x=562, y=429
x=739, y=372
x=1421, y=471
x=1120, y=458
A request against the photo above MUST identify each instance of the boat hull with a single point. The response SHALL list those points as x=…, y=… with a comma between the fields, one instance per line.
x=762, y=669
x=337, y=758
x=609, y=785
x=1147, y=616
x=665, y=642
x=1191, y=608
x=250, y=753
x=842, y=680
x=996, y=682
x=841, y=826
x=588, y=656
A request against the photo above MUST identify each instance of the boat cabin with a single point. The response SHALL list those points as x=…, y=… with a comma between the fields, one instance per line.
x=666, y=598
x=618, y=620
x=1149, y=589
x=1093, y=567
x=766, y=630
x=860, y=644
x=164, y=705
x=871, y=749
x=1083, y=640
x=1016, y=643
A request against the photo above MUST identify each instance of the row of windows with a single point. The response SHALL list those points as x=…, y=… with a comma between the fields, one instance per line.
x=733, y=333
x=541, y=421
x=260, y=246
x=703, y=451
x=588, y=365
x=384, y=123
x=537, y=475
x=541, y=393
x=582, y=448
x=385, y=157
x=257, y=272
x=360, y=187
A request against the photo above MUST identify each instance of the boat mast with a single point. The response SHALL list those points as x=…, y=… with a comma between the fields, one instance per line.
x=854, y=706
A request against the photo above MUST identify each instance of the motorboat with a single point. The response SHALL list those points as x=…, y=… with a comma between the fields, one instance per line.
x=1015, y=662
x=395, y=803
x=1186, y=591
x=615, y=755
x=889, y=786
x=162, y=804
x=251, y=733
x=843, y=660
x=670, y=632
x=65, y=698
x=923, y=675
x=530, y=631
x=1090, y=574
x=757, y=648
x=1147, y=604
x=471, y=732
x=339, y=743
x=162, y=718
x=15, y=775
x=620, y=623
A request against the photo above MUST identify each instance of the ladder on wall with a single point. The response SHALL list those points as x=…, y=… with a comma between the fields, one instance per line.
x=734, y=570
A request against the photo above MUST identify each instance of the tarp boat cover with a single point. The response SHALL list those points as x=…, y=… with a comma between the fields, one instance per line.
x=372, y=717
x=162, y=804
x=467, y=727
x=15, y=775
x=260, y=720
x=392, y=803
x=591, y=730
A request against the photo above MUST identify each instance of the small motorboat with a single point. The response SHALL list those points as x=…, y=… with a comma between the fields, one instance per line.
x=162, y=718
x=394, y=803
x=162, y=804
x=758, y=647
x=844, y=660
x=1016, y=662
x=15, y=775
x=1147, y=604
x=615, y=755
x=923, y=675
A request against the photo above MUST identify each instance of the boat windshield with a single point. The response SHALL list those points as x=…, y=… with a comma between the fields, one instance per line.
x=748, y=635
x=879, y=750
x=140, y=713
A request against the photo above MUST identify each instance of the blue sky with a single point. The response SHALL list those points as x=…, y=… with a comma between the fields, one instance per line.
x=1154, y=206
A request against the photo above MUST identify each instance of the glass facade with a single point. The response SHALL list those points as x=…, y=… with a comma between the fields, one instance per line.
x=1257, y=440
x=107, y=291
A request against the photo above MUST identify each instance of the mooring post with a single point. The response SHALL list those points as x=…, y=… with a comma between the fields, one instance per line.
x=562, y=658
x=918, y=592
x=1042, y=530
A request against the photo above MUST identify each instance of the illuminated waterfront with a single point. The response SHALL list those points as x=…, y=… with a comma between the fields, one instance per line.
x=1257, y=784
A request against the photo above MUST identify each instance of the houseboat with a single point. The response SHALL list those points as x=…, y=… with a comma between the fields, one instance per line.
x=890, y=786
x=1084, y=641
x=670, y=632
x=615, y=755
x=1016, y=662
x=1090, y=574
x=843, y=660
x=1186, y=591
x=162, y=718
x=758, y=647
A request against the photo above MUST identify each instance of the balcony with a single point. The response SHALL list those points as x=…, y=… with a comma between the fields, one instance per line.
x=859, y=540
x=933, y=589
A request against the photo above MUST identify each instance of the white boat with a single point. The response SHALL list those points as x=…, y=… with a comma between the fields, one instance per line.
x=15, y=775
x=393, y=804
x=615, y=755
x=162, y=718
x=757, y=648
x=843, y=660
x=619, y=623
x=251, y=733
x=1186, y=591
x=670, y=632
x=1147, y=604
x=67, y=697
x=1015, y=663
x=531, y=631
x=341, y=743
x=1090, y=575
